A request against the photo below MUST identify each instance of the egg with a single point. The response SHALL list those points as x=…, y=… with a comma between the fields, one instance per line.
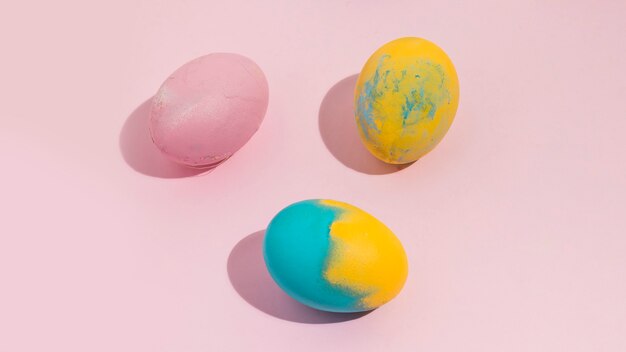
x=333, y=256
x=406, y=97
x=208, y=109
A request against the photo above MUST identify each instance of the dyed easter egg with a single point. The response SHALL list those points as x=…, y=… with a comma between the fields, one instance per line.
x=405, y=100
x=334, y=256
x=208, y=109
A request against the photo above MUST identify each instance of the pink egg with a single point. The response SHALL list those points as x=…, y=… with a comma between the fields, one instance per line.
x=208, y=109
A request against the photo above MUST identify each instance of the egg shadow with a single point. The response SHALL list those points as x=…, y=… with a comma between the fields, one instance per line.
x=339, y=132
x=249, y=276
x=142, y=155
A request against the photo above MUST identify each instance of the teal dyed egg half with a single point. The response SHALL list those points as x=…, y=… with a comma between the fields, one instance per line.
x=334, y=256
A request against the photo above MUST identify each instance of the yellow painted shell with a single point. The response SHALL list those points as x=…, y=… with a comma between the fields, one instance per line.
x=405, y=100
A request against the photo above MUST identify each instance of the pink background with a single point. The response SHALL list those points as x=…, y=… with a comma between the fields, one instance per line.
x=514, y=226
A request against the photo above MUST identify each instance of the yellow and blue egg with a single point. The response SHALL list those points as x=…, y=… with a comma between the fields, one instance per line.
x=405, y=100
x=334, y=256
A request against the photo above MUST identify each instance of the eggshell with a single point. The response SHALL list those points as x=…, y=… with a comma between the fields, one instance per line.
x=334, y=256
x=405, y=100
x=208, y=109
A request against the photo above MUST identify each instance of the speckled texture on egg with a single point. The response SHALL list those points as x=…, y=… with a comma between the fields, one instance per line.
x=208, y=109
x=405, y=100
x=334, y=256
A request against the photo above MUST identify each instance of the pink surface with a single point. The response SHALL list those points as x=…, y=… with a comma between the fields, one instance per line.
x=208, y=108
x=514, y=225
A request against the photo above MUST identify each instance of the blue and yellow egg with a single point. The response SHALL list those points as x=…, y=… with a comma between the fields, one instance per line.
x=334, y=256
x=405, y=100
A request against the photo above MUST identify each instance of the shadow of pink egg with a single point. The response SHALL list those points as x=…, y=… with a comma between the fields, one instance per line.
x=208, y=109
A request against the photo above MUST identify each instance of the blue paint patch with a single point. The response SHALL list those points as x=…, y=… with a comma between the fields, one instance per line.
x=367, y=99
x=296, y=249
x=419, y=103
x=408, y=106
